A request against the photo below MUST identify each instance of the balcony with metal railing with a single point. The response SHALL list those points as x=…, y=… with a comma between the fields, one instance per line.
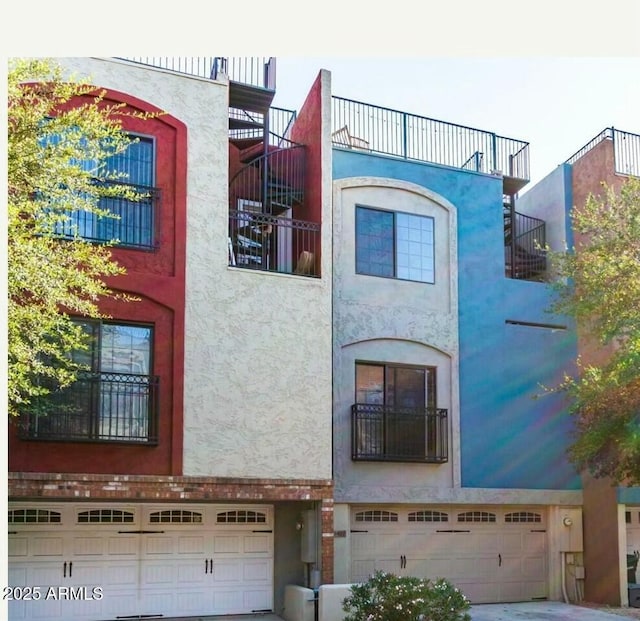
x=361, y=126
x=98, y=407
x=387, y=433
x=524, y=246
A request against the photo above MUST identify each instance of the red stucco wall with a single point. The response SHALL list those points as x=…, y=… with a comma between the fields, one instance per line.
x=158, y=279
x=307, y=130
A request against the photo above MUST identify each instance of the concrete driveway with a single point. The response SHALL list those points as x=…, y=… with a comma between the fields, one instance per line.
x=539, y=611
x=528, y=611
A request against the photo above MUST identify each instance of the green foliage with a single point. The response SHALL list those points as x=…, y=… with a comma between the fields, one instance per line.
x=600, y=288
x=387, y=597
x=58, y=142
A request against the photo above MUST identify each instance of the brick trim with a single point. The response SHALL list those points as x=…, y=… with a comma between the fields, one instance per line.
x=28, y=485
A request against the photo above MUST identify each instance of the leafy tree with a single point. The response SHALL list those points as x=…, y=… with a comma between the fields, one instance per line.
x=60, y=134
x=601, y=290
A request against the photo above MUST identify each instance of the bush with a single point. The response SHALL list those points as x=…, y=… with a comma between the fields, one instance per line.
x=387, y=597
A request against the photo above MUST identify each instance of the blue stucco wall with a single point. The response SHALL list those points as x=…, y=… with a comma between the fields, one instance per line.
x=509, y=438
x=629, y=495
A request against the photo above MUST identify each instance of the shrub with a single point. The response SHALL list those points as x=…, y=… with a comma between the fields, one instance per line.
x=387, y=597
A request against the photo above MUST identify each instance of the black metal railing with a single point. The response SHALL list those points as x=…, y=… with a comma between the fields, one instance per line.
x=280, y=122
x=113, y=407
x=391, y=132
x=626, y=150
x=524, y=247
x=384, y=433
x=132, y=223
x=253, y=71
x=273, y=244
x=274, y=182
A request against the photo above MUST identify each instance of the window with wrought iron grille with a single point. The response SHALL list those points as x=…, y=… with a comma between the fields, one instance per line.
x=133, y=224
x=395, y=417
x=394, y=244
x=115, y=397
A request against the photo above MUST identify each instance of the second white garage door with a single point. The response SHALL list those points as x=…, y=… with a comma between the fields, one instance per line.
x=491, y=554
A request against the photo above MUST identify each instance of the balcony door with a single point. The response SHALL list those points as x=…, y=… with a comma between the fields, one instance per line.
x=405, y=393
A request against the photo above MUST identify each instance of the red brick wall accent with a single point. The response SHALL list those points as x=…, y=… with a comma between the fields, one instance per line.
x=600, y=522
x=326, y=519
x=97, y=487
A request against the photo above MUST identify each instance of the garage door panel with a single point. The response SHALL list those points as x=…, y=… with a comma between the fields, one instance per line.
x=83, y=608
x=513, y=542
x=361, y=570
x=191, y=545
x=157, y=544
x=534, y=567
x=227, y=600
x=227, y=544
x=89, y=546
x=493, y=555
x=49, y=609
x=479, y=592
x=88, y=573
x=120, y=573
x=256, y=571
x=483, y=542
x=534, y=541
x=227, y=571
x=46, y=546
x=257, y=544
x=119, y=603
x=191, y=573
x=45, y=574
x=123, y=545
x=258, y=599
x=17, y=546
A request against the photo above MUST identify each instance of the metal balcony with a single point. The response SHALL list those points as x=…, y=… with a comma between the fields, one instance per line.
x=107, y=407
x=384, y=433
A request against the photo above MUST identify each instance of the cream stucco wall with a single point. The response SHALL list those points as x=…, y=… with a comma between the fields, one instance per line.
x=393, y=321
x=257, y=379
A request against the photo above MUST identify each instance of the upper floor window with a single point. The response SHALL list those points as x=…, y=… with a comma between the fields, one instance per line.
x=115, y=399
x=134, y=221
x=395, y=245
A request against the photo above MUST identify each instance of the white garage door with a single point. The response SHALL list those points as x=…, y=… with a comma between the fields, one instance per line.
x=107, y=561
x=492, y=555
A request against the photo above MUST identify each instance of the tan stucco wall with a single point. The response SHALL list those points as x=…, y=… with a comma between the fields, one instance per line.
x=257, y=379
x=389, y=320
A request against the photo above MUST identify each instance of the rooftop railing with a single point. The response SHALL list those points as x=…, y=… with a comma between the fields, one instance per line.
x=626, y=150
x=255, y=71
x=361, y=126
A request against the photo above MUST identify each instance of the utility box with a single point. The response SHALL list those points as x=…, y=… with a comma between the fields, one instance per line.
x=309, y=537
x=634, y=595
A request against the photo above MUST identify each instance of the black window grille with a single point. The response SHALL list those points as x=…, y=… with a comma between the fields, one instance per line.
x=116, y=399
x=33, y=516
x=131, y=223
x=105, y=516
x=376, y=515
